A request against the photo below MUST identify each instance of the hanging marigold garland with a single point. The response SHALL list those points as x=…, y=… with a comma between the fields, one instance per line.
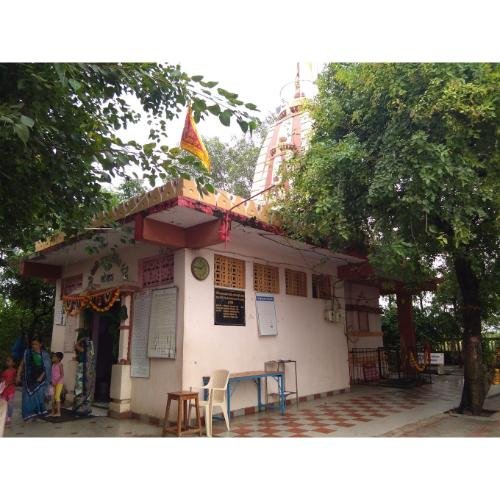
x=101, y=301
x=104, y=301
x=73, y=304
x=420, y=367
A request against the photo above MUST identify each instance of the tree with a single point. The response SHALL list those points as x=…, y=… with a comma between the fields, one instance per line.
x=233, y=164
x=404, y=163
x=26, y=308
x=59, y=142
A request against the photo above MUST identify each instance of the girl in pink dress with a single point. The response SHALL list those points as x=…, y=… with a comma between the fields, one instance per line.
x=8, y=376
x=57, y=383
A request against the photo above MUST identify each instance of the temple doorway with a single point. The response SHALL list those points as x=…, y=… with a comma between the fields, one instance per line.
x=105, y=336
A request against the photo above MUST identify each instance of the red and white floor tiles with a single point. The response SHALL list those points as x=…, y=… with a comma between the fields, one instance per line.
x=365, y=411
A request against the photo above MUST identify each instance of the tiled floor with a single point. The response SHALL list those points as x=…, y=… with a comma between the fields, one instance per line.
x=365, y=411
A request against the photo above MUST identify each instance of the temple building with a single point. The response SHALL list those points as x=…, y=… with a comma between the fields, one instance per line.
x=189, y=284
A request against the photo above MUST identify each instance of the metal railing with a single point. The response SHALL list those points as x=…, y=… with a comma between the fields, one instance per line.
x=374, y=364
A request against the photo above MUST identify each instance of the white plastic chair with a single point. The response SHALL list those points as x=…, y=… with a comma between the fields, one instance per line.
x=3, y=415
x=217, y=387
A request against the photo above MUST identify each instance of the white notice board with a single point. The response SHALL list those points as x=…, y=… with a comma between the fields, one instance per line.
x=70, y=334
x=437, y=358
x=162, y=323
x=59, y=314
x=266, y=314
x=139, y=361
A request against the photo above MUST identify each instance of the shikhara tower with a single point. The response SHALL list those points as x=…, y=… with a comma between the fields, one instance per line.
x=288, y=133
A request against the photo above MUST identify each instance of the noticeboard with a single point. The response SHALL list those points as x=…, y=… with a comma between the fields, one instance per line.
x=162, y=323
x=139, y=360
x=229, y=307
x=70, y=334
x=266, y=314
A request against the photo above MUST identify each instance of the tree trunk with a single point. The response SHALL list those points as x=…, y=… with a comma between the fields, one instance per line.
x=474, y=390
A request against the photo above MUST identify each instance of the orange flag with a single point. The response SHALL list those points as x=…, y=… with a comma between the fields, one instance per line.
x=191, y=141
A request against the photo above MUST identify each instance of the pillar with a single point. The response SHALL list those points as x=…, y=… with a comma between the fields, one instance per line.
x=121, y=382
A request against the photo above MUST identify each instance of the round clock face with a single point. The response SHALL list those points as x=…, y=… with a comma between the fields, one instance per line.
x=200, y=268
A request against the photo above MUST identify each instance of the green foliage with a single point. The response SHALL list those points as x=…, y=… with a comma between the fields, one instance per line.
x=437, y=317
x=404, y=164
x=233, y=164
x=26, y=308
x=130, y=188
x=59, y=142
x=403, y=161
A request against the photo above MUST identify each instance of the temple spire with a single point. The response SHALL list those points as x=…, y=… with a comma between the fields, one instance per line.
x=297, y=82
x=287, y=135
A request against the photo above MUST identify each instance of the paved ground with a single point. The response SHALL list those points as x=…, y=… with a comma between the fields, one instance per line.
x=365, y=411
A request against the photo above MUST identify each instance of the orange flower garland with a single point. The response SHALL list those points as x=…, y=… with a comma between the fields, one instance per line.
x=105, y=301
x=418, y=367
x=101, y=301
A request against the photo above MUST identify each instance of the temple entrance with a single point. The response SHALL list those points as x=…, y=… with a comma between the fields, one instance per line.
x=105, y=336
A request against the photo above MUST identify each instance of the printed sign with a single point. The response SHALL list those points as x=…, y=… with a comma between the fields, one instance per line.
x=266, y=314
x=70, y=334
x=437, y=358
x=162, y=323
x=229, y=307
x=59, y=314
x=139, y=361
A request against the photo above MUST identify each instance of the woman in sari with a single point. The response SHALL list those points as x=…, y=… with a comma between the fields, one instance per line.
x=85, y=376
x=35, y=373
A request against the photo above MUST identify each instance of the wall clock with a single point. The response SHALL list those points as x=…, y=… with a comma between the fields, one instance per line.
x=200, y=268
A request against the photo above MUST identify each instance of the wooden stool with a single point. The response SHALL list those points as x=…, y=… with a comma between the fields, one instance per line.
x=182, y=426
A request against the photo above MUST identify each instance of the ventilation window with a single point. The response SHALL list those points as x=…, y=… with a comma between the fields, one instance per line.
x=266, y=278
x=229, y=272
x=71, y=284
x=322, y=286
x=296, y=282
x=157, y=270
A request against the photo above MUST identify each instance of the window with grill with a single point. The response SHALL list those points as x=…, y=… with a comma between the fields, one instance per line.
x=229, y=272
x=322, y=286
x=157, y=270
x=296, y=282
x=70, y=284
x=266, y=278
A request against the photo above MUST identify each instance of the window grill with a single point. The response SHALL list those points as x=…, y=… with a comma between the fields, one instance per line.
x=266, y=278
x=157, y=270
x=322, y=286
x=296, y=282
x=229, y=272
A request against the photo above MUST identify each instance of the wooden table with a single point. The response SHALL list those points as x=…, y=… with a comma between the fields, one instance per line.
x=182, y=426
x=256, y=377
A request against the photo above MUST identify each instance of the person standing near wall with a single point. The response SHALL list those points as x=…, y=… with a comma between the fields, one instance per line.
x=85, y=376
x=35, y=373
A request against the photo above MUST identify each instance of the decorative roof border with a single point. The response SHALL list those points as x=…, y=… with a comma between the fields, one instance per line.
x=182, y=193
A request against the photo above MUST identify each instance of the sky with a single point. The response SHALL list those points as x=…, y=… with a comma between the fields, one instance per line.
x=260, y=82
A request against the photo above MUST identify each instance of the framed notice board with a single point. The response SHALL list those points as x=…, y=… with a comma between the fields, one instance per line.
x=266, y=314
x=229, y=307
x=163, y=323
x=139, y=360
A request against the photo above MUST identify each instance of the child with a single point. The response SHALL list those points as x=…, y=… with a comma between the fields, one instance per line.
x=57, y=383
x=8, y=376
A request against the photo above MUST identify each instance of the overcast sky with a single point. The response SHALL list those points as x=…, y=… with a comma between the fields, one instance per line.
x=260, y=82
x=251, y=48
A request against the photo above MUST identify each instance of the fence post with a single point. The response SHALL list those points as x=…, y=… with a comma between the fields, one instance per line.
x=379, y=363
